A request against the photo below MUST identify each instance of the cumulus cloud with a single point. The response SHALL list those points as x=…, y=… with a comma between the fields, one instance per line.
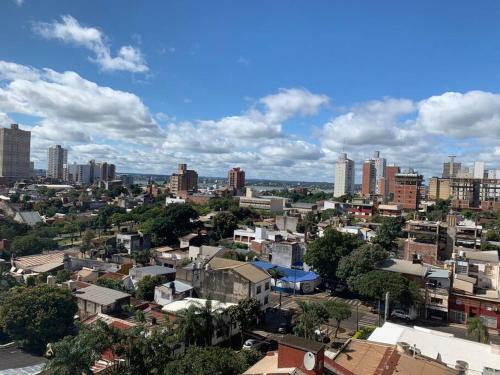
x=73, y=109
x=69, y=30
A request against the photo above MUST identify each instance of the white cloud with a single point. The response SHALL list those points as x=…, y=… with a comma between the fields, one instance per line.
x=74, y=109
x=453, y=114
x=19, y=2
x=69, y=30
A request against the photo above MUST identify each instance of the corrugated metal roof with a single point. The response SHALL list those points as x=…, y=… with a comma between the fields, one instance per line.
x=100, y=295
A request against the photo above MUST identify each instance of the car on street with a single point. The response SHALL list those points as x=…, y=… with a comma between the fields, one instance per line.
x=401, y=314
x=258, y=345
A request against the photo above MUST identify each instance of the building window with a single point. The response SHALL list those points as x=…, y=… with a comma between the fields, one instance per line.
x=458, y=316
x=259, y=289
x=266, y=300
x=267, y=285
x=438, y=301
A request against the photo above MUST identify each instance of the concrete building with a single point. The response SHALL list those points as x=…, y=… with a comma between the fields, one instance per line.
x=230, y=280
x=266, y=203
x=95, y=299
x=407, y=190
x=369, y=178
x=295, y=355
x=184, y=180
x=57, y=157
x=133, y=242
x=439, y=188
x=236, y=179
x=344, y=176
x=380, y=164
x=476, y=289
x=14, y=154
x=287, y=254
x=172, y=291
x=451, y=168
x=427, y=241
x=389, y=182
x=479, y=169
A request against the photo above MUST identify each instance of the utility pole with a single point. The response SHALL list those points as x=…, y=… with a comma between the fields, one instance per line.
x=386, y=306
x=357, y=318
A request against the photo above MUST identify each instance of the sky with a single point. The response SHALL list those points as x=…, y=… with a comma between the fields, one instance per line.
x=277, y=88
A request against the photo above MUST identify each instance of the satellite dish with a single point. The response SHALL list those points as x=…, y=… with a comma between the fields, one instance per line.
x=309, y=361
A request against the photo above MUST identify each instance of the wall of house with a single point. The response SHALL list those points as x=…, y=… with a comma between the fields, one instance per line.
x=292, y=357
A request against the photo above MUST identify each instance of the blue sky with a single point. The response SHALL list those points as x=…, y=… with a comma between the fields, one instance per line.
x=278, y=88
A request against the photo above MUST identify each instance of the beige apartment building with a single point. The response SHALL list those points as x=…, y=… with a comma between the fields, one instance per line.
x=14, y=153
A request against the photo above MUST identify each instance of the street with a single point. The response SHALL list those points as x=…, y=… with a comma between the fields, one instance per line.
x=362, y=316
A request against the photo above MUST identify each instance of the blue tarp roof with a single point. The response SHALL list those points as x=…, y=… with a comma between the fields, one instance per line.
x=291, y=275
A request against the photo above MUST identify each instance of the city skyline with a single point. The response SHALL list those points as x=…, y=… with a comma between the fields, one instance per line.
x=141, y=96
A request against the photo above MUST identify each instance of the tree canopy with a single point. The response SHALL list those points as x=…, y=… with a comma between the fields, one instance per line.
x=38, y=315
x=146, y=287
x=324, y=253
x=224, y=224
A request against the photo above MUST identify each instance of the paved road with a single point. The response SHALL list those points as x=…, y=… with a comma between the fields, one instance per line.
x=361, y=315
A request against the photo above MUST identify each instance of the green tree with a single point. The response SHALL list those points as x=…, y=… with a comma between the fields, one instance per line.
x=311, y=316
x=224, y=224
x=477, y=330
x=142, y=256
x=38, y=315
x=245, y=313
x=31, y=244
x=324, y=253
x=359, y=262
x=374, y=285
x=189, y=325
x=211, y=360
x=388, y=232
x=63, y=275
x=339, y=311
x=168, y=224
x=77, y=354
x=145, y=288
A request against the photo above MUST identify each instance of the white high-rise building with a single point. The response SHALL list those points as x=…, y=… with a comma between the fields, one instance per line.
x=57, y=157
x=380, y=164
x=344, y=176
x=478, y=169
x=494, y=174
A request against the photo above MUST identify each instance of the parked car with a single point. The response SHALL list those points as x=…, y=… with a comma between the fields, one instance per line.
x=284, y=328
x=256, y=345
x=401, y=314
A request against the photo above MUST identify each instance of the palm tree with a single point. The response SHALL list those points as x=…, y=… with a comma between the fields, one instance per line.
x=211, y=317
x=190, y=326
x=276, y=274
x=477, y=330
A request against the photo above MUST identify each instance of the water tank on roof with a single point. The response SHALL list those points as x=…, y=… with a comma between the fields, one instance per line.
x=51, y=280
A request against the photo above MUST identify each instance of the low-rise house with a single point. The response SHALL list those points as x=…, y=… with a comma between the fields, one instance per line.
x=231, y=280
x=363, y=357
x=191, y=239
x=293, y=280
x=476, y=288
x=221, y=333
x=295, y=355
x=169, y=257
x=133, y=242
x=95, y=299
x=303, y=208
x=434, y=284
x=390, y=210
x=204, y=252
x=137, y=273
x=172, y=291
x=467, y=356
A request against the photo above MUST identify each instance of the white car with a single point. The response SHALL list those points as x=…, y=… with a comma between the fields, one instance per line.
x=254, y=344
x=401, y=314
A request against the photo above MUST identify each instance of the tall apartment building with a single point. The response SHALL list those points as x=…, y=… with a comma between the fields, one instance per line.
x=344, y=176
x=478, y=169
x=407, y=190
x=439, y=188
x=380, y=164
x=236, y=178
x=369, y=179
x=388, y=183
x=57, y=157
x=450, y=168
x=14, y=153
x=86, y=174
x=106, y=172
x=184, y=180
